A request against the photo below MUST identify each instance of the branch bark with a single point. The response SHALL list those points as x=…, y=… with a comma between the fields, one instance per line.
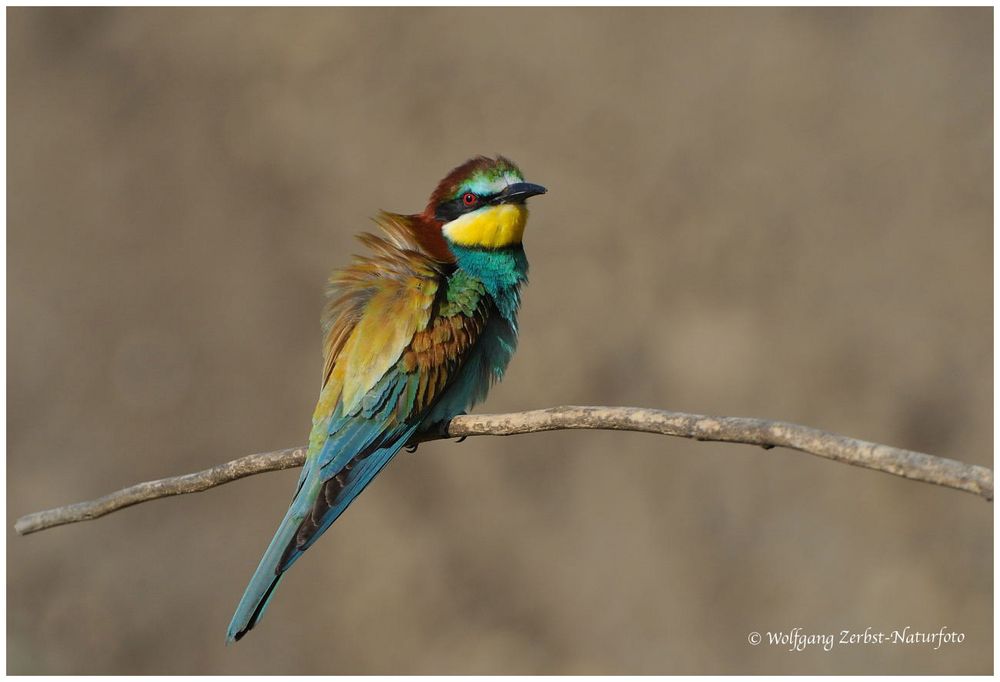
x=767, y=434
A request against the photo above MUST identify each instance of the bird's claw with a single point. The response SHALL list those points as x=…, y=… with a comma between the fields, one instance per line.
x=411, y=448
x=442, y=427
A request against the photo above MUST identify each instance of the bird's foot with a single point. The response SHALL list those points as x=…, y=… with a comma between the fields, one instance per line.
x=444, y=427
x=438, y=429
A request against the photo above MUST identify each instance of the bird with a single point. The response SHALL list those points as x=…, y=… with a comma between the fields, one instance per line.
x=415, y=332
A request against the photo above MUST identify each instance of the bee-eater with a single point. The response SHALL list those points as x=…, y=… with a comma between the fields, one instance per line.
x=413, y=334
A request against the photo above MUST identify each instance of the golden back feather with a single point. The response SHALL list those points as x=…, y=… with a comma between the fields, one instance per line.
x=374, y=308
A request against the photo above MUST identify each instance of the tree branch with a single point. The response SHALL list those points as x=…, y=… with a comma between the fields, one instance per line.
x=767, y=434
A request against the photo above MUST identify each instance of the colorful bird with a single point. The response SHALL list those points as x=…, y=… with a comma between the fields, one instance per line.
x=414, y=334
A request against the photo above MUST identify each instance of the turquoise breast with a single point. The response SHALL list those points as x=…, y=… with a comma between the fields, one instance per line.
x=499, y=274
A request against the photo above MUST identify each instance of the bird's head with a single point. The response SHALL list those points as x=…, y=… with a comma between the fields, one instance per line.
x=480, y=204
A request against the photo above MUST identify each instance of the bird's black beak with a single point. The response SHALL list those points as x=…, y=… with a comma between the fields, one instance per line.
x=517, y=193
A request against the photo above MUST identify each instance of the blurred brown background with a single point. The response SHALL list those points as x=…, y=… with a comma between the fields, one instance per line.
x=776, y=213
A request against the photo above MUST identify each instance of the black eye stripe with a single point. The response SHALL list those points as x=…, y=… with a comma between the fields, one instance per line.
x=449, y=210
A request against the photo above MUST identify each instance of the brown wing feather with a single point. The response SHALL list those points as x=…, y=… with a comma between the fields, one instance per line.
x=405, y=251
x=433, y=357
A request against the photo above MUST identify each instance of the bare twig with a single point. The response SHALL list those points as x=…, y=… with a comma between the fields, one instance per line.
x=768, y=434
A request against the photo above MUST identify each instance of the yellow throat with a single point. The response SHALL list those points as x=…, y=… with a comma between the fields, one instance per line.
x=492, y=227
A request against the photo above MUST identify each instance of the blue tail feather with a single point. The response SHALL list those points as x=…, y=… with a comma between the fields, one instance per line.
x=286, y=546
x=357, y=480
x=265, y=579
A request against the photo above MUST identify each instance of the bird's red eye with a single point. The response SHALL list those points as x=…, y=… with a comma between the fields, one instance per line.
x=469, y=199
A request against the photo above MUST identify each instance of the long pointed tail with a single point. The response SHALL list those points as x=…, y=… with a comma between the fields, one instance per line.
x=320, y=499
x=270, y=570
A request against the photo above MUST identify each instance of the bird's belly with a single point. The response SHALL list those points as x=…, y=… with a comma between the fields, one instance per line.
x=484, y=367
